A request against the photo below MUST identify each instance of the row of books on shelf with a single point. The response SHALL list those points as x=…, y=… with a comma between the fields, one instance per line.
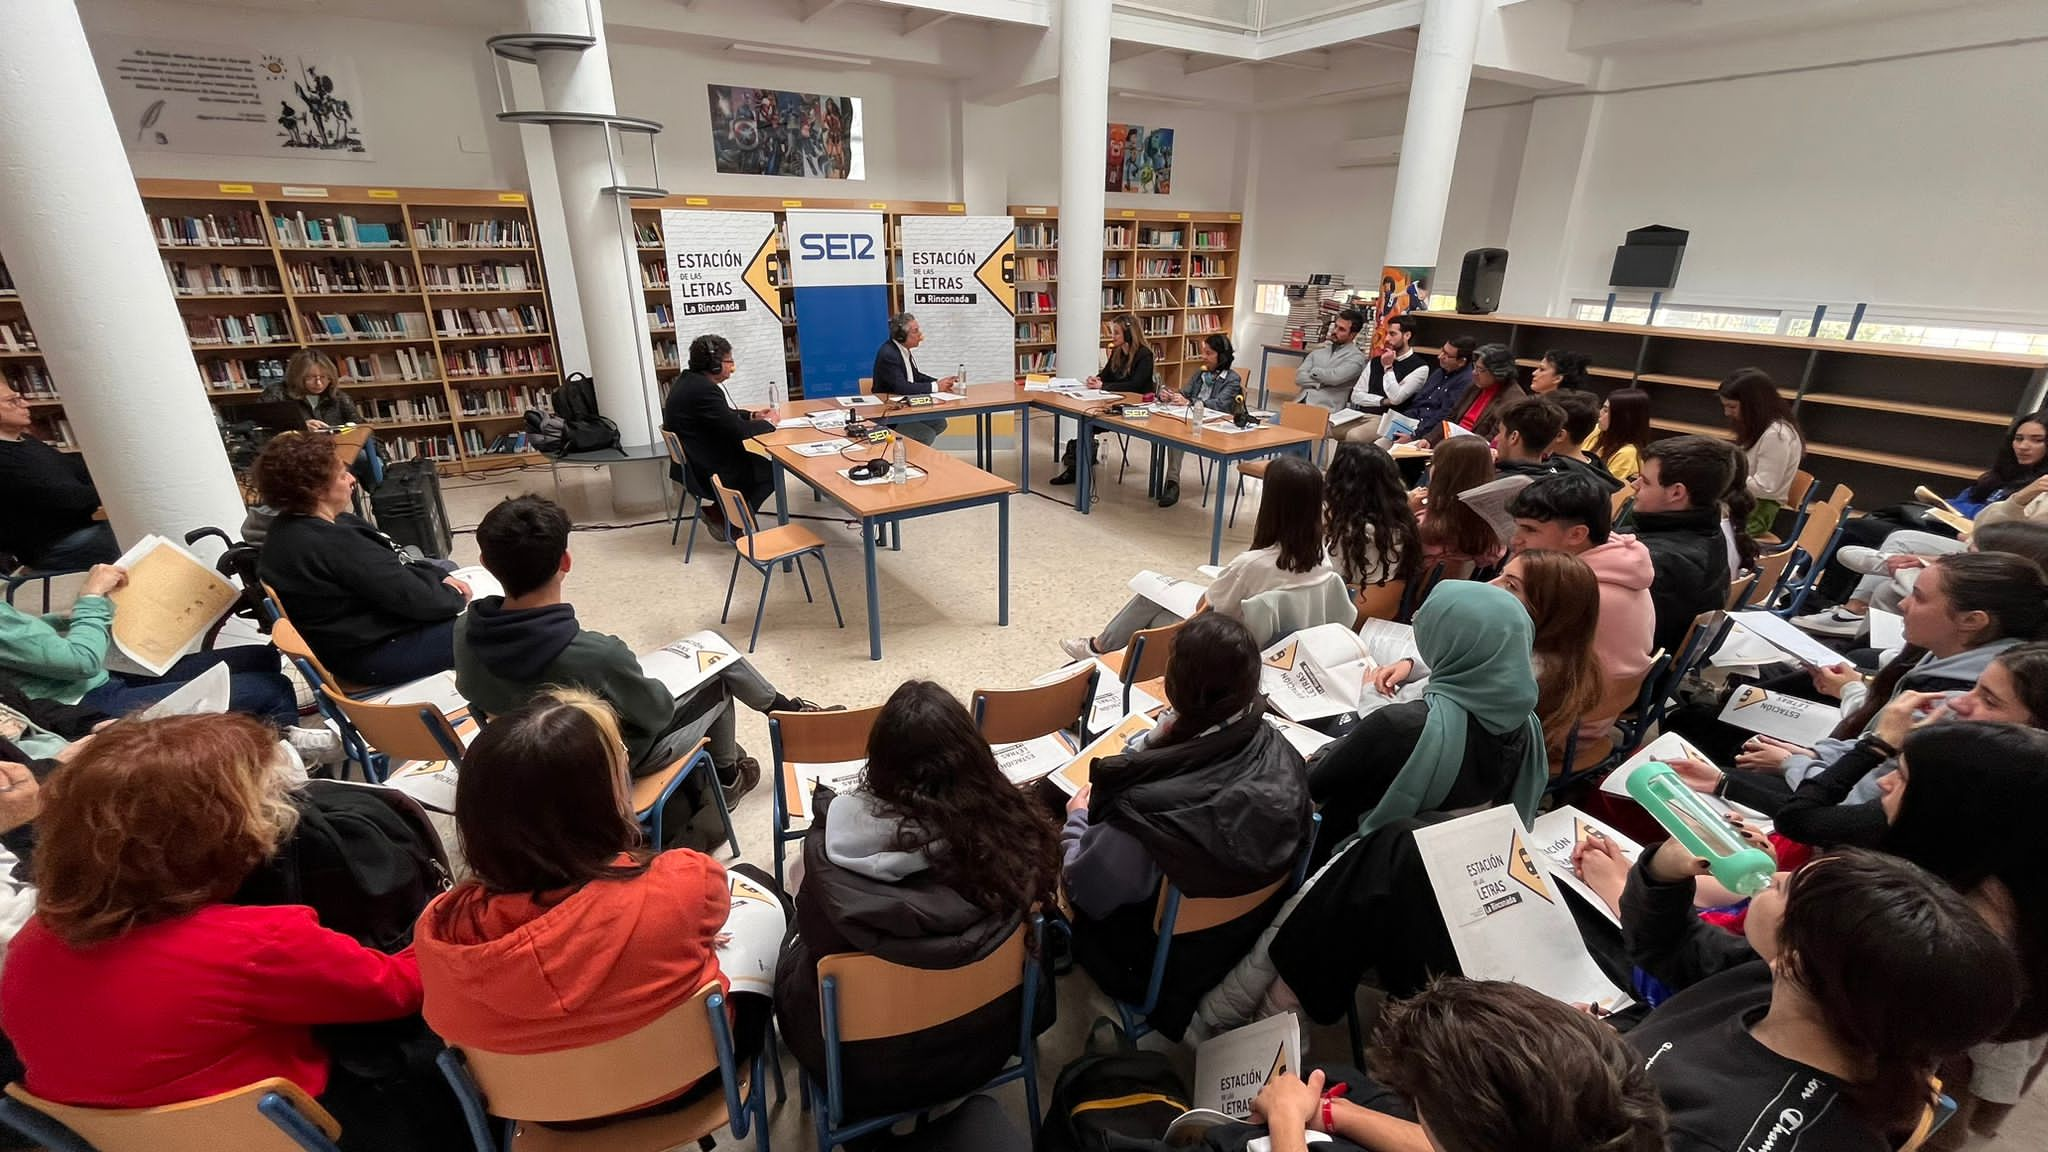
x=402, y=409
x=234, y=374
x=498, y=359
x=192, y=279
x=247, y=328
x=1040, y=361
x=1200, y=296
x=1036, y=303
x=341, y=230
x=1038, y=235
x=56, y=432
x=15, y=336
x=510, y=320
x=383, y=367
x=29, y=379
x=1161, y=238
x=498, y=232
x=1195, y=348
x=413, y=446
x=1116, y=268
x=1160, y=268
x=1165, y=325
x=336, y=274
x=366, y=325
x=479, y=443
x=1034, y=332
x=1204, y=322
x=661, y=317
x=665, y=353
x=654, y=273
x=490, y=276
x=1212, y=238
x=1156, y=298
x=1037, y=268
x=1116, y=299
x=225, y=228
x=1210, y=266
x=647, y=234
x=1116, y=236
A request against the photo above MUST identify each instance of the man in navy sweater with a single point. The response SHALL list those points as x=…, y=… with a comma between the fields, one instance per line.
x=896, y=374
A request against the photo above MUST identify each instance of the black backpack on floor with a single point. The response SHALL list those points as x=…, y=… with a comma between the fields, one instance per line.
x=1113, y=1098
x=575, y=424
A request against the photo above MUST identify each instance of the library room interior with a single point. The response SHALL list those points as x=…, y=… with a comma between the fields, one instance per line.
x=1507, y=470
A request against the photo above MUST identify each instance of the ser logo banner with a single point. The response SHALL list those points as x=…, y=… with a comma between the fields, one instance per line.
x=836, y=246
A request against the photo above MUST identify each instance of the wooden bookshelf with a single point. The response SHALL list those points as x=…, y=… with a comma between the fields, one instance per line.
x=21, y=365
x=1881, y=418
x=432, y=302
x=647, y=235
x=1175, y=271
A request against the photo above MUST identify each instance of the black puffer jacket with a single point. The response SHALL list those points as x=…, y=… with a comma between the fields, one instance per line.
x=1223, y=814
x=916, y=921
x=1689, y=555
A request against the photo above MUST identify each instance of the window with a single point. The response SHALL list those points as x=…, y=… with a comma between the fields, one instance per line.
x=1272, y=298
x=2019, y=342
x=1755, y=322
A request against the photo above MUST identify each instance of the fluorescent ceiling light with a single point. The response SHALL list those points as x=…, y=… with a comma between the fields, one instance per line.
x=800, y=53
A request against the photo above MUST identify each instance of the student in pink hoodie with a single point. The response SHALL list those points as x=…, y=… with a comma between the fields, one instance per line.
x=1573, y=513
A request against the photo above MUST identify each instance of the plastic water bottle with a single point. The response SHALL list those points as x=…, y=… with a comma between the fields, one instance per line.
x=1741, y=868
x=1198, y=416
x=960, y=378
x=899, y=472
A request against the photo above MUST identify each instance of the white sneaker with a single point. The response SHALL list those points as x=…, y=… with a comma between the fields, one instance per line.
x=318, y=746
x=1079, y=648
x=1833, y=622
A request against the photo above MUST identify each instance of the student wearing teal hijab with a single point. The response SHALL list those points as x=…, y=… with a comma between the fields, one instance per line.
x=1472, y=741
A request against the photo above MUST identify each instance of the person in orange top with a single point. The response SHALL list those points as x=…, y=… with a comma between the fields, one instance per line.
x=568, y=933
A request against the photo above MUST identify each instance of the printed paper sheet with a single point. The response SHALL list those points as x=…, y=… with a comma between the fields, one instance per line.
x=170, y=600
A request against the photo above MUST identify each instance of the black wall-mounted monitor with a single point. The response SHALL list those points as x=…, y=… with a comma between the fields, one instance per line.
x=1645, y=266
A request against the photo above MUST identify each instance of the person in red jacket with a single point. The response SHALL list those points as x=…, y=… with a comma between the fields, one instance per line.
x=134, y=985
x=567, y=933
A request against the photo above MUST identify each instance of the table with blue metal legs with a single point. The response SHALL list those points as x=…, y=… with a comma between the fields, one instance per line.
x=1209, y=442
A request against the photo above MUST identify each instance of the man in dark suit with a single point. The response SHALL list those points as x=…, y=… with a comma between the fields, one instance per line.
x=896, y=374
x=714, y=433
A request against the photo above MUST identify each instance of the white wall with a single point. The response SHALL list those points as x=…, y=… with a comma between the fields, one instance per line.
x=1912, y=184
x=427, y=108
x=1210, y=171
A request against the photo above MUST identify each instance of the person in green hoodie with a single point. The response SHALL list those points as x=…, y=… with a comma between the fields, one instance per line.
x=508, y=648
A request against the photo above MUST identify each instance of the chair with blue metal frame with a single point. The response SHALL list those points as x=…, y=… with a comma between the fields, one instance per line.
x=1016, y=715
x=1816, y=543
x=692, y=1041
x=811, y=738
x=865, y=998
x=651, y=794
x=765, y=548
x=398, y=732
x=1178, y=915
x=689, y=500
x=1144, y=658
x=272, y=1115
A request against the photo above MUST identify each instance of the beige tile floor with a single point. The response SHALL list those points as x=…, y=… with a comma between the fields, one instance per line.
x=938, y=597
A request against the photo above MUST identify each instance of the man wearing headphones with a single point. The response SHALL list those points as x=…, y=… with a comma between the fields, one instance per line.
x=896, y=374
x=714, y=433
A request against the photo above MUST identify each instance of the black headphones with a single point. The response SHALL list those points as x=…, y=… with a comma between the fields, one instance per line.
x=874, y=469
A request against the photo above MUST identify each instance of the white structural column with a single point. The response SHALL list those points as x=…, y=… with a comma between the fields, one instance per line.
x=1429, y=142
x=82, y=254
x=1084, y=128
x=600, y=248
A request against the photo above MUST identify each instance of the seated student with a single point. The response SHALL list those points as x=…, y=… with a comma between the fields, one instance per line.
x=1453, y=534
x=1391, y=379
x=1823, y=1025
x=896, y=374
x=1216, y=388
x=1964, y=611
x=1286, y=552
x=1445, y=383
x=714, y=433
x=1527, y=430
x=142, y=838
x=1471, y=741
x=1558, y=372
x=63, y=657
x=568, y=932
x=1677, y=517
x=933, y=863
x=1581, y=423
x=372, y=615
x=1767, y=429
x=1369, y=531
x=1477, y=1066
x=1335, y=370
x=509, y=648
x=1214, y=801
x=1491, y=392
x=1563, y=599
x=1570, y=513
x=49, y=496
x=1624, y=430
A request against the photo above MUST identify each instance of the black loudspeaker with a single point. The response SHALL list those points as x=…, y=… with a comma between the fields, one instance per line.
x=408, y=507
x=1479, y=282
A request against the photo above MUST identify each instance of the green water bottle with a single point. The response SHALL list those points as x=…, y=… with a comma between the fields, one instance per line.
x=1741, y=868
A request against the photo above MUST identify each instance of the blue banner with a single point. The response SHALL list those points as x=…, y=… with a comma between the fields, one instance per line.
x=839, y=267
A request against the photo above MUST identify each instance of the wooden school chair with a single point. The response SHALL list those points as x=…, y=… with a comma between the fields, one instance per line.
x=811, y=738
x=1761, y=588
x=1178, y=915
x=863, y=997
x=689, y=501
x=650, y=794
x=1379, y=602
x=1816, y=545
x=1015, y=715
x=272, y=1115
x=1798, y=501
x=1301, y=417
x=692, y=1041
x=284, y=635
x=1144, y=658
x=764, y=549
x=395, y=733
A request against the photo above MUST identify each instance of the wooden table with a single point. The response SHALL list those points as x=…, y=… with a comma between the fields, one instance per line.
x=1224, y=448
x=981, y=401
x=947, y=486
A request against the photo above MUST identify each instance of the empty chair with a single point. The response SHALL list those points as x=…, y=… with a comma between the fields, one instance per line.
x=395, y=733
x=690, y=499
x=1302, y=418
x=763, y=550
x=1019, y=714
